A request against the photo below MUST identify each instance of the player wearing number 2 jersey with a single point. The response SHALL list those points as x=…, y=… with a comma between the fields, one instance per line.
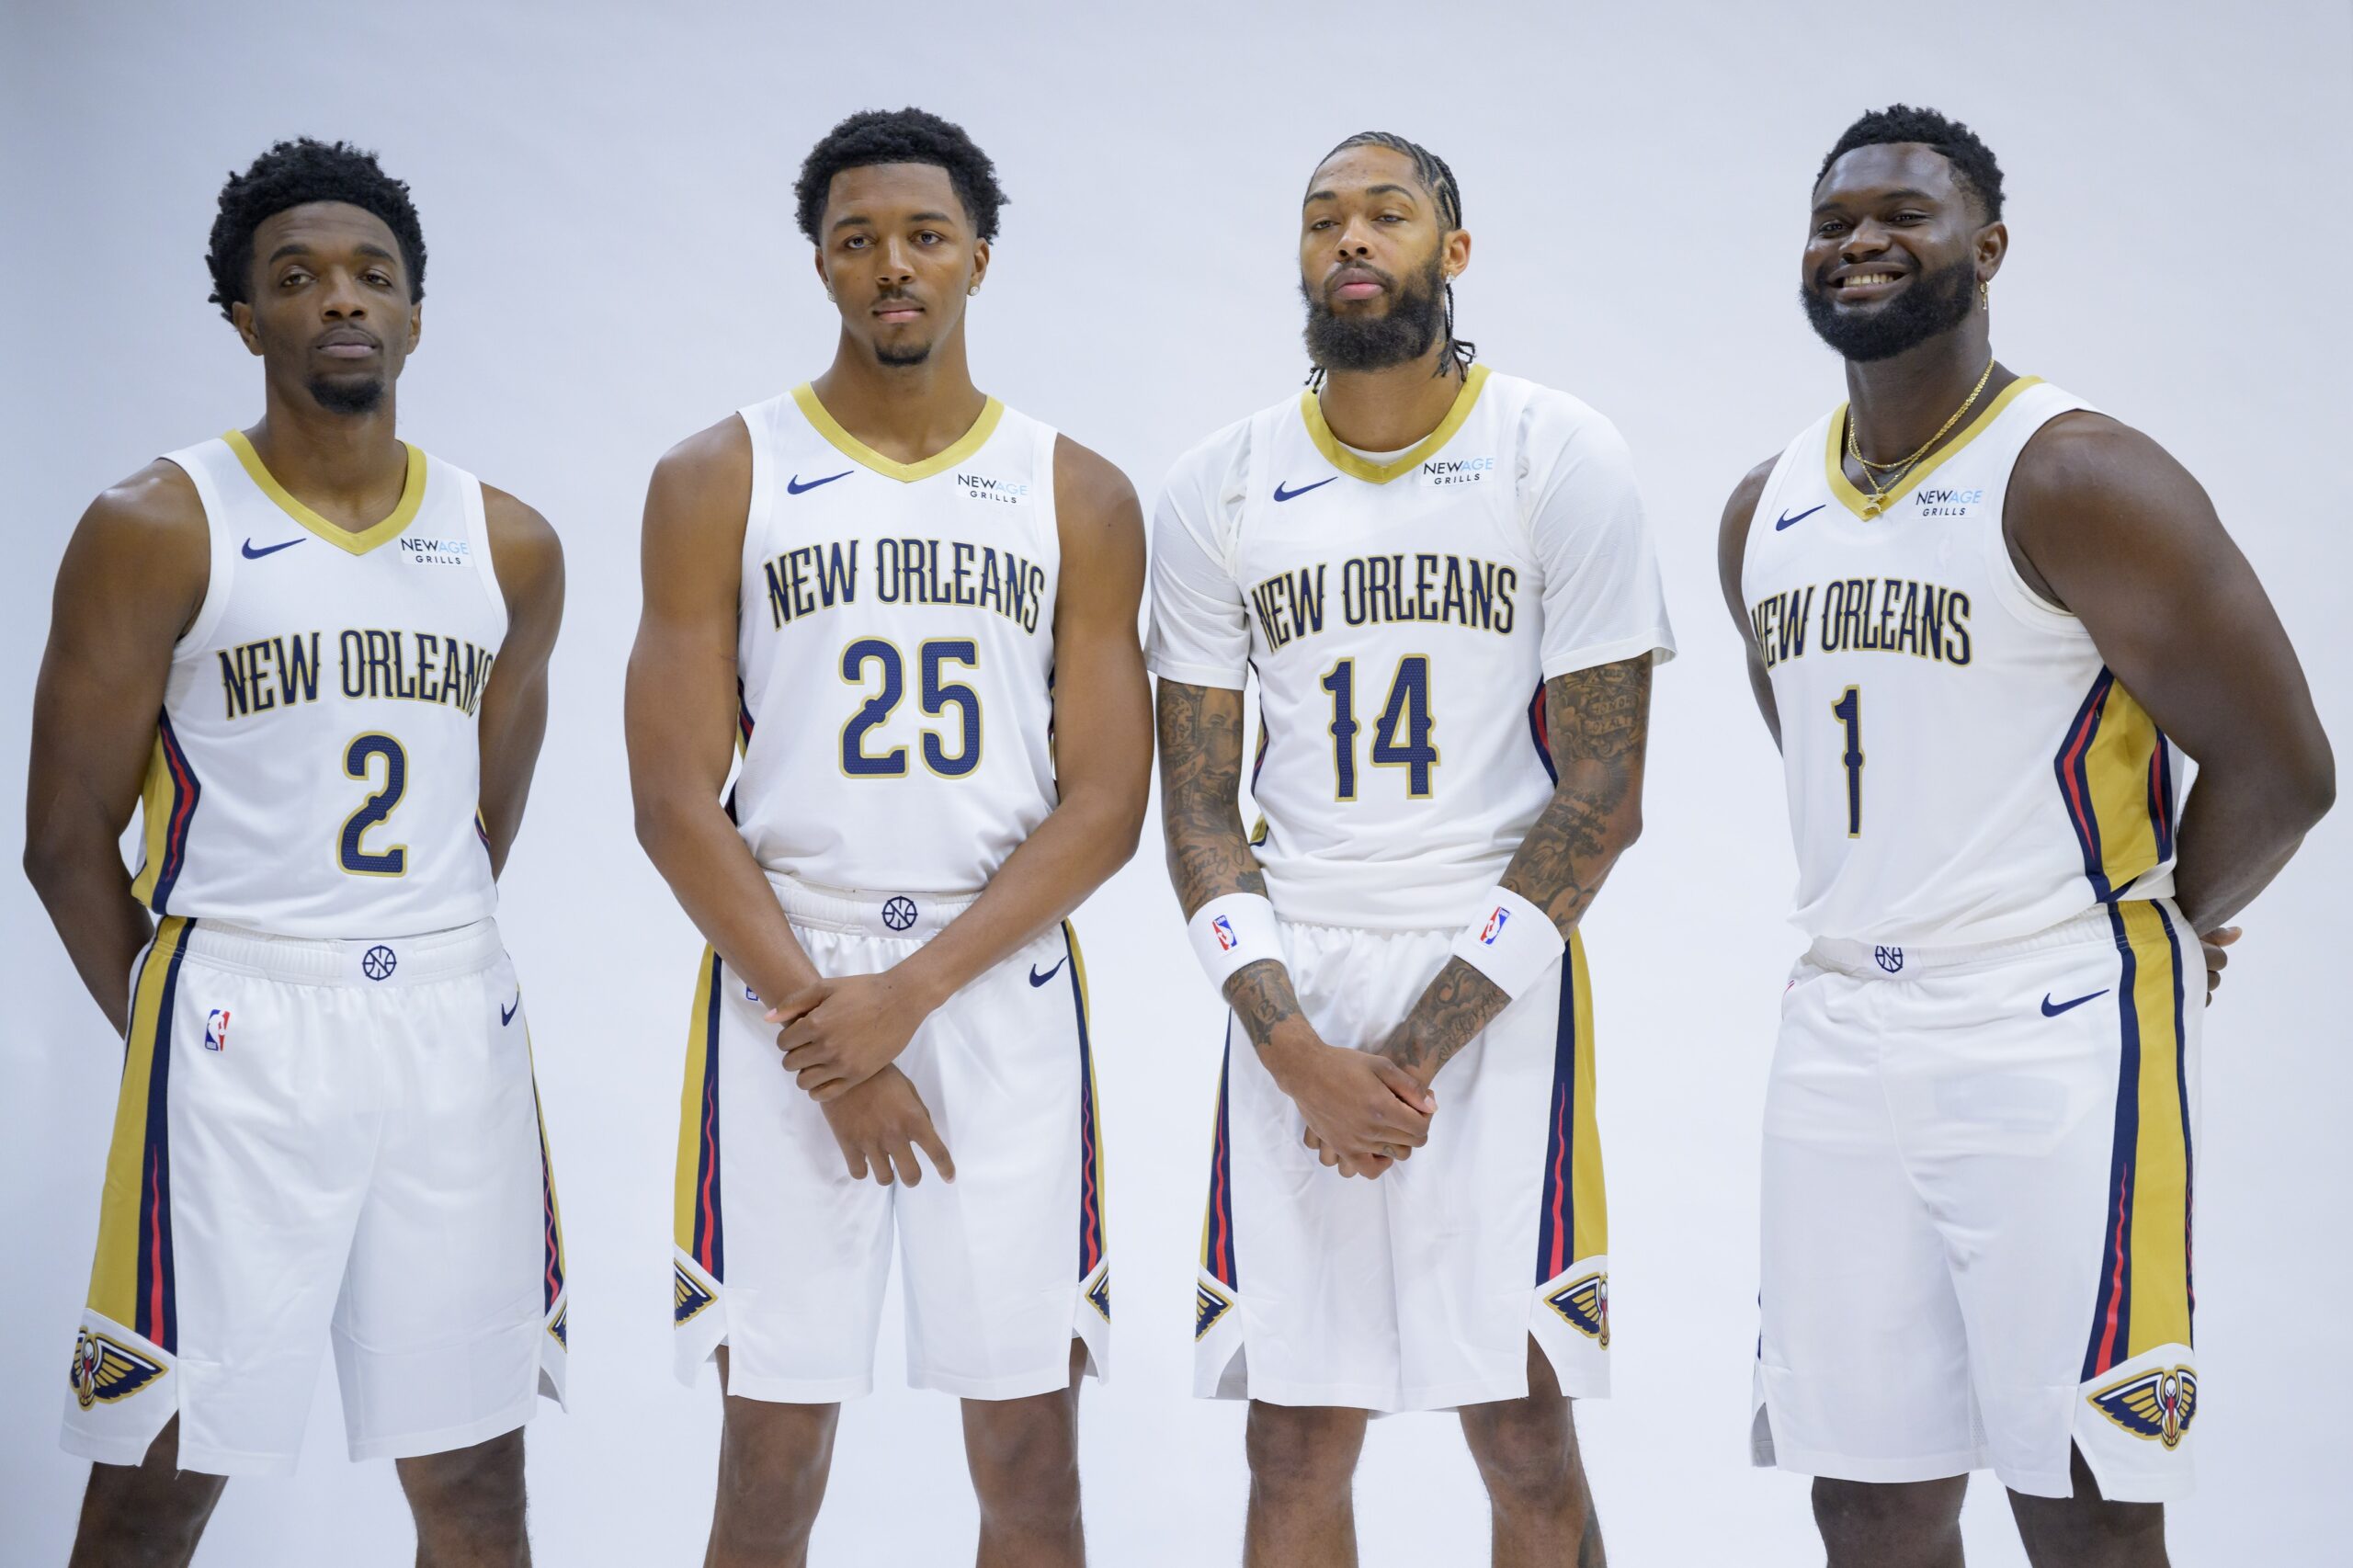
x=1442, y=583
x=314, y=658
x=1986, y=624
x=912, y=612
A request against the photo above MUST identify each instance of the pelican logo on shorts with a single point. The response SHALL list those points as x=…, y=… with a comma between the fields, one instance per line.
x=1208, y=1305
x=899, y=912
x=1584, y=1305
x=216, y=1029
x=1226, y=940
x=559, y=1326
x=2156, y=1404
x=1099, y=1293
x=1496, y=924
x=379, y=961
x=688, y=1296
x=1890, y=958
x=106, y=1370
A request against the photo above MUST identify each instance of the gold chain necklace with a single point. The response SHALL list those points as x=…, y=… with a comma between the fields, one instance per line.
x=1896, y=471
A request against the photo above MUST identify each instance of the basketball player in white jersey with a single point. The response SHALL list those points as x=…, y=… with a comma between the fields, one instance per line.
x=315, y=658
x=1985, y=623
x=1443, y=582
x=914, y=612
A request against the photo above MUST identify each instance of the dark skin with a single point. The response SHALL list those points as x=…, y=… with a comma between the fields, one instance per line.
x=2102, y=522
x=328, y=299
x=899, y=260
x=1367, y=217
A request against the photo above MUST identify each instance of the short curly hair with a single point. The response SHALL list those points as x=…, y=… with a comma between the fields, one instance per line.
x=293, y=173
x=900, y=136
x=1974, y=167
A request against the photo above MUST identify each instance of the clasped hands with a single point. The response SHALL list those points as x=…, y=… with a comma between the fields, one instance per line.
x=840, y=1039
x=1364, y=1112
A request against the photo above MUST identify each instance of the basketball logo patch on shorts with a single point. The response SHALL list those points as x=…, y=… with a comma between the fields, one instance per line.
x=1584, y=1304
x=106, y=1370
x=2157, y=1404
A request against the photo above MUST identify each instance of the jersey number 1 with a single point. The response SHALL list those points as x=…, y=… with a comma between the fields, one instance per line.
x=1848, y=710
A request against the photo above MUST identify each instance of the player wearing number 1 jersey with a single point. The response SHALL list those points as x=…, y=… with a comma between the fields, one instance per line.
x=1987, y=624
x=314, y=658
x=1441, y=580
x=912, y=611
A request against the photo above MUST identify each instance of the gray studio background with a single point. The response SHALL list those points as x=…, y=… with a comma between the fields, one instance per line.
x=614, y=264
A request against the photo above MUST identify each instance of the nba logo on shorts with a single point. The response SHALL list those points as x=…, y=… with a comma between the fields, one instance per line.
x=1495, y=926
x=1226, y=940
x=1890, y=958
x=216, y=1029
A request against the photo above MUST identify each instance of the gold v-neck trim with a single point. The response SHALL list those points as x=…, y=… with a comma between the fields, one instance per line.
x=1862, y=505
x=1355, y=466
x=858, y=452
x=359, y=541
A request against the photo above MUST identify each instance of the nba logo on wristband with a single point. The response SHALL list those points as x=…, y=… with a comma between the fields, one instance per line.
x=1226, y=940
x=1496, y=924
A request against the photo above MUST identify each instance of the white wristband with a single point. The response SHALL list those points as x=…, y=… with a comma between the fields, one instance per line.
x=1230, y=931
x=1510, y=941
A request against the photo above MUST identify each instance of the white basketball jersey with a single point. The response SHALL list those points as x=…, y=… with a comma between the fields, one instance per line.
x=896, y=651
x=1963, y=767
x=1401, y=617
x=316, y=770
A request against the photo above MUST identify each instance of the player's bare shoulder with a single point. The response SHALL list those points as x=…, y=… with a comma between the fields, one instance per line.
x=2084, y=457
x=1090, y=489
x=1732, y=537
x=703, y=484
x=149, y=532
x=523, y=547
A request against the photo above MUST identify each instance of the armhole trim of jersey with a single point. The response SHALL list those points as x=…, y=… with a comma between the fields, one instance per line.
x=220, y=575
x=2017, y=595
x=478, y=524
x=759, y=422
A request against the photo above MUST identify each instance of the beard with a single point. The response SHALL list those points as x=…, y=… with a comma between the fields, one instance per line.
x=1936, y=302
x=900, y=358
x=1415, y=315
x=348, y=397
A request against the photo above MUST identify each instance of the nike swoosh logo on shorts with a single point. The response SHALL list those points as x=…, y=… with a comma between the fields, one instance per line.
x=1784, y=520
x=793, y=486
x=1037, y=979
x=506, y=1015
x=1282, y=494
x=252, y=554
x=2050, y=1010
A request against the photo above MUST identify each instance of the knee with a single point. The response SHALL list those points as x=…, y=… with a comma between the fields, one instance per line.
x=472, y=1495
x=1856, y=1517
x=1025, y=1462
x=1303, y=1452
x=772, y=1467
x=1526, y=1451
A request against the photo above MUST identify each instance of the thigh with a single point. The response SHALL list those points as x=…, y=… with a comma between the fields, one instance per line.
x=1008, y=1264
x=243, y=1140
x=1862, y=1362
x=452, y=1310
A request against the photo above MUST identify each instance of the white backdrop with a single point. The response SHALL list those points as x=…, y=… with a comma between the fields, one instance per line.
x=614, y=264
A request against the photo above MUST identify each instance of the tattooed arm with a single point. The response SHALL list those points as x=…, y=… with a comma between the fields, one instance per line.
x=1599, y=721
x=1356, y=1103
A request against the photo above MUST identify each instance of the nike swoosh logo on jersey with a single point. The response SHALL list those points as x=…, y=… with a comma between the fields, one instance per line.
x=1037, y=979
x=793, y=486
x=1784, y=520
x=2051, y=1011
x=506, y=1015
x=1282, y=494
x=252, y=554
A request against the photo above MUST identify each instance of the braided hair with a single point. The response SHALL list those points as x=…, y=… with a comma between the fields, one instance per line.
x=1438, y=180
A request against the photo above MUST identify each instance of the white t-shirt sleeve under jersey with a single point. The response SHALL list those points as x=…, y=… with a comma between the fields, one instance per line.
x=1200, y=629
x=1603, y=602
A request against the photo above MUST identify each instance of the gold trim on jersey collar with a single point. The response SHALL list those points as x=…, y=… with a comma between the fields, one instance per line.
x=1862, y=505
x=357, y=541
x=857, y=452
x=1355, y=466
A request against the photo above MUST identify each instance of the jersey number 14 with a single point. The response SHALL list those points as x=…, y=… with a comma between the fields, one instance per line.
x=1401, y=736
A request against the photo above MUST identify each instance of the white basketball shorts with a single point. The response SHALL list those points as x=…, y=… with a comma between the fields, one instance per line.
x=320, y=1139
x=1976, y=1210
x=782, y=1256
x=1418, y=1290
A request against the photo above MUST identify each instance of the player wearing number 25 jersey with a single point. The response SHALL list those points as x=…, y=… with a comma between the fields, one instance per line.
x=1987, y=622
x=327, y=649
x=912, y=612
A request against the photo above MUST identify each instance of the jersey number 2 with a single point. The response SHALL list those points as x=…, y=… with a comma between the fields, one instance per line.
x=360, y=762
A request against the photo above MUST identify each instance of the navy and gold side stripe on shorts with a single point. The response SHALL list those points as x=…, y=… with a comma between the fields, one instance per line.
x=2145, y=1298
x=1090, y=1142
x=1220, y=1275
x=131, y=1281
x=1572, y=1219
x=699, y=1228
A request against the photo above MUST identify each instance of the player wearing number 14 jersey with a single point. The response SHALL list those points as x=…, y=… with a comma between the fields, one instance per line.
x=1442, y=579
x=912, y=611
x=1986, y=624
x=322, y=653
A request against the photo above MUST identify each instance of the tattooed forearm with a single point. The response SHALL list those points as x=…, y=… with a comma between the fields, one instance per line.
x=1599, y=722
x=1458, y=1005
x=1262, y=998
x=1200, y=794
